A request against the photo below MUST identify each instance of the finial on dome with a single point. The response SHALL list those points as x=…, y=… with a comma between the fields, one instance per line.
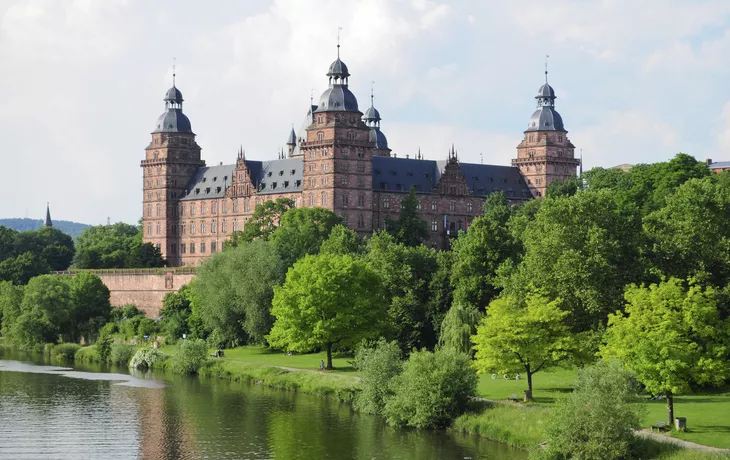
x=338, y=41
x=173, y=71
x=546, y=70
x=372, y=93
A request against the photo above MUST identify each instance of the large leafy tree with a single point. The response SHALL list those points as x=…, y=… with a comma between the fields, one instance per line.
x=458, y=327
x=176, y=312
x=24, y=255
x=690, y=236
x=480, y=251
x=409, y=229
x=327, y=300
x=90, y=307
x=263, y=222
x=583, y=249
x=670, y=336
x=19, y=270
x=517, y=336
x=301, y=231
x=233, y=291
x=11, y=296
x=342, y=240
x=115, y=246
x=406, y=274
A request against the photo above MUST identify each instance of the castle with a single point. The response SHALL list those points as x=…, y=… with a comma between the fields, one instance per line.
x=338, y=160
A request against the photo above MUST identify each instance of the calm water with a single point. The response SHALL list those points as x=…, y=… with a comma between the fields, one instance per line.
x=82, y=413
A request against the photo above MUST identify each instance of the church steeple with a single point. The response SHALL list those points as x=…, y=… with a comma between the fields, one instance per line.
x=48, y=223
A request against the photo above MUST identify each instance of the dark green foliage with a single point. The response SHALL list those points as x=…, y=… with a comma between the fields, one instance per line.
x=175, y=314
x=104, y=346
x=24, y=255
x=72, y=229
x=90, y=307
x=459, y=325
x=406, y=276
x=480, y=251
x=433, y=389
x=409, y=229
x=264, y=220
x=597, y=419
x=65, y=351
x=301, y=231
x=441, y=294
x=191, y=356
x=233, y=292
x=378, y=364
x=115, y=246
x=566, y=187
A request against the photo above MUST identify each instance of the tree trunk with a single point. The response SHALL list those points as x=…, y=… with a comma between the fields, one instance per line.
x=329, y=356
x=670, y=408
x=529, y=378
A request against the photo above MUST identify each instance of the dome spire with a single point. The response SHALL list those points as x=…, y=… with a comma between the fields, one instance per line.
x=338, y=41
x=173, y=71
x=546, y=63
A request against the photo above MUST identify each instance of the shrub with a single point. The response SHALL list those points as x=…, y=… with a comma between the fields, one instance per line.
x=87, y=355
x=121, y=353
x=597, y=419
x=144, y=358
x=191, y=356
x=432, y=390
x=48, y=348
x=65, y=351
x=104, y=346
x=378, y=365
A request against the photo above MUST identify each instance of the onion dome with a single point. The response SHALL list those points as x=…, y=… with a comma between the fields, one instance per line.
x=338, y=69
x=173, y=120
x=371, y=115
x=377, y=137
x=545, y=118
x=174, y=95
x=337, y=98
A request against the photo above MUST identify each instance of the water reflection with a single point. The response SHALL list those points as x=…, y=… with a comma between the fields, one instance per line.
x=64, y=413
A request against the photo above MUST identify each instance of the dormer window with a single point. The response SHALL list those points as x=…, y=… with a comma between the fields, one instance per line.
x=273, y=185
x=197, y=191
x=207, y=190
x=286, y=183
x=281, y=173
x=293, y=171
x=269, y=174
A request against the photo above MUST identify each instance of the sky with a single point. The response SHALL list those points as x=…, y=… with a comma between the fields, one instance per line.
x=82, y=82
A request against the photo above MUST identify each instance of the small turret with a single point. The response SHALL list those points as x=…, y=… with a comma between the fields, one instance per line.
x=48, y=223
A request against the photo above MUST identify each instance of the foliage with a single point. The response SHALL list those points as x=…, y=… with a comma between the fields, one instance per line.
x=327, y=300
x=433, y=389
x=90, y=307
x=301, y=231
x=175, y=313
x=234, y=289
x=19, y=270
x=144, y=358
x=190, y=357
x=516, y=336
x=378, y=364
x=11, y=297
x=597, y=419
x=24, y=255
x=480, y=251
x=583, y=249
x=670, y=336
x=65, y=351
x=690, y=236
x=409, y=229
x=460, y=324
x=121, y=353
x=341, y=240
x=505, y=423
x=115, y=246
x=440, y=293
x=263, y=222
x=104, y=346
x=406, y=277
x=565, y=187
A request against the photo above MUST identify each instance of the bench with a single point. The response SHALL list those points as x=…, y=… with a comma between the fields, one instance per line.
x=217, y=354
x=660, y=426
x=513, y=397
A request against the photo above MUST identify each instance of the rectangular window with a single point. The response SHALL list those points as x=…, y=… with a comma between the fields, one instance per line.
x=224, y=226
x=235, y=205
x=434, y=205
x=202, y=248
x=361, y=201
x=452, y=205
x=434, y=226
x=203, y=228
x=468, y=206
x=246, y=206
x=203, y=208
x=213, y=247
x=213, y=207
x=183, y=248
x=192, y=210
x=192, y=228
x=386, y=202
x=214, y=227
x=225, y=207
x=235, y=225
x=192, y=248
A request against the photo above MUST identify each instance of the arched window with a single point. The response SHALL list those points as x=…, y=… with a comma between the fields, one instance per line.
x=192, y=228
x=320, y=136
x=213, y=226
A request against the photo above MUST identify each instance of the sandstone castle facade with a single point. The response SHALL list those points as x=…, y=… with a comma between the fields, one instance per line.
x=338, y=160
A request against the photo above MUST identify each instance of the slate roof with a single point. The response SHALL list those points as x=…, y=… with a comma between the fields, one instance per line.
x=719, y=165
x=545, y=119
x=400, y=174
x=173, y=121
x=275, y=176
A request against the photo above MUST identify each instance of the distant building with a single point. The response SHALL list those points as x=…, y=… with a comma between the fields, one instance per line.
x=339, y=160
x=48, y=222
x=718, y=166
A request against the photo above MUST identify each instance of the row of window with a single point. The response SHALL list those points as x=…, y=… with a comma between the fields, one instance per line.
x=193, y=227
x=434, y=205
x=189, y=248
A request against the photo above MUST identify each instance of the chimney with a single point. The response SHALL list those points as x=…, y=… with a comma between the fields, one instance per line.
x=708, y=161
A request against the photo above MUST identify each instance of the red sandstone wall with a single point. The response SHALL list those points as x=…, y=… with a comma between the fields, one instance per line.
x=145, y=289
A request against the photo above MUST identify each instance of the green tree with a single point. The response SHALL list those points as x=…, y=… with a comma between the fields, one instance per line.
x=433, y=389
x=11, y=297
x=175, y=313
x=19, y=270
x=517, y=336
x=406, y=273
x=458, y=327
x=670, y=336
x=263, y=222
x=565, y=187
x=409, y=229
x=480, y=251
x=327, y=300
x=90, y=307
x=440, y=292
x=7, y=243
x=301, y=231
x=115, y=246
x=341, y=240
x=690, y=236
x=379, y=363
x=597, y=419
x=233, y=291
x=45, y=309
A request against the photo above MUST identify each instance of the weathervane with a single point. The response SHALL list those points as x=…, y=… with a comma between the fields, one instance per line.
x=174, y=61
x=338, y=41
x=546, y=65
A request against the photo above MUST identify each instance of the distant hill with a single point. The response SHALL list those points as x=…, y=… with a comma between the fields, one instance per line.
x=73, y=229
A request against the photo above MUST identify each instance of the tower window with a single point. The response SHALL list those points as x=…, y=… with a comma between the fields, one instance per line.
x=452, y=205
x=320, y=136
x=434, y=226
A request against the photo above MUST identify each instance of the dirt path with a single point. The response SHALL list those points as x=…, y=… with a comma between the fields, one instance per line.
x=647, y=433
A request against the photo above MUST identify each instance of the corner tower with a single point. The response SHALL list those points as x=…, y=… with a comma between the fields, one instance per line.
x=337, y=154
x=545, y=154
x=170, y=161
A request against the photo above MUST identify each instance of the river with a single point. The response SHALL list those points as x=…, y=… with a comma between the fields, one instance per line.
x=87, y=412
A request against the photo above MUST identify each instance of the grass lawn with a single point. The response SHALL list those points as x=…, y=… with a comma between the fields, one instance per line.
x=708, y=415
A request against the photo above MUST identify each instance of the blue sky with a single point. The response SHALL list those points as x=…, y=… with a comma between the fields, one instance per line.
x=82, y=82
